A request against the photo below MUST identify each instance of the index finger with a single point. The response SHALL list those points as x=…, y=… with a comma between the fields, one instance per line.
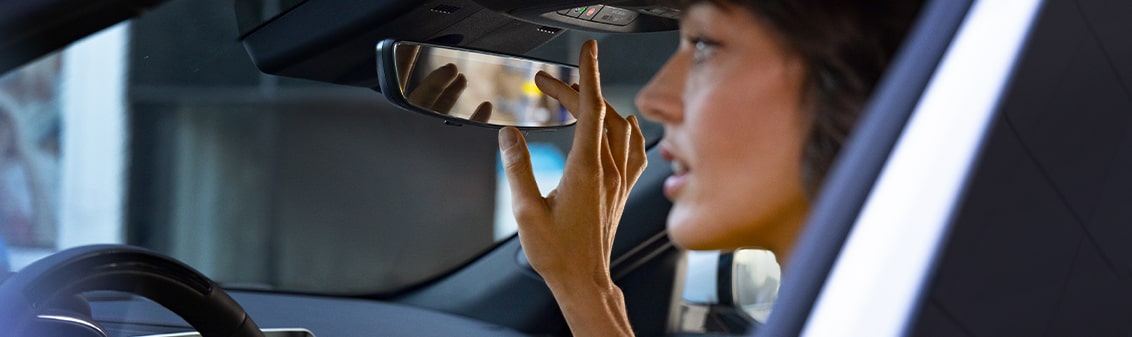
x=591, y=106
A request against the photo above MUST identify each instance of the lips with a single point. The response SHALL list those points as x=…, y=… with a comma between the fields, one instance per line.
x=678, y=168
x=674, y=183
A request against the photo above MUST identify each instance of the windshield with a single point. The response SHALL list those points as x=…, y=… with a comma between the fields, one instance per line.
x=160, y=132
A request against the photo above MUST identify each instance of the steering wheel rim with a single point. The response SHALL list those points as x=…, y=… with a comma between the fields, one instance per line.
x=172, y=284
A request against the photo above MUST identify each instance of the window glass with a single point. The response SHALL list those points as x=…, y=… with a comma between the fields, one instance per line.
x=62, y=150
x=30, y=119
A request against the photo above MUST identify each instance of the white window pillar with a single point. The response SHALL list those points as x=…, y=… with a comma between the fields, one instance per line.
x=94, y=140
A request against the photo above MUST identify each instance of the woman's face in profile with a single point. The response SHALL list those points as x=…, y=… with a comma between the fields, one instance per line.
x=730, y=101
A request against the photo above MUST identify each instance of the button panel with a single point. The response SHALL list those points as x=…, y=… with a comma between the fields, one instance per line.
x=601, y=14
x=615, y=16
x=591, y=12
x=576, y=12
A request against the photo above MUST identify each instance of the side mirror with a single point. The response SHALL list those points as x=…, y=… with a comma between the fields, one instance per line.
x=465, y=86
x=728, y=292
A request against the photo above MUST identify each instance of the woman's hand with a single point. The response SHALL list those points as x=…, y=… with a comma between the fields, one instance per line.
x=440, y=90
x=567, y=236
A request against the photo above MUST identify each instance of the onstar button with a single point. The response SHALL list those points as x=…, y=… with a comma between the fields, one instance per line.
x=591, y=12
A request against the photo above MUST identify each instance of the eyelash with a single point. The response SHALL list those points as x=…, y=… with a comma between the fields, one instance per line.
x=702, y=48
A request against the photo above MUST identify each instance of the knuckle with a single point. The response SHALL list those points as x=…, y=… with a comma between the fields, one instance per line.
x=613, y=179
x=525, y=212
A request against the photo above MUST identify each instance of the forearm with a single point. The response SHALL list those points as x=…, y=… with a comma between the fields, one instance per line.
x=595, y=308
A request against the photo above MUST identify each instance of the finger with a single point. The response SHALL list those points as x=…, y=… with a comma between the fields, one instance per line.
x=558, y=90
x=526, y=202
x=617, y=130
x=482, y=113
x=433, y=85
x=638, y=158
x=611, y=190
x=591, y=110
x=451, y=94
x=407, y=60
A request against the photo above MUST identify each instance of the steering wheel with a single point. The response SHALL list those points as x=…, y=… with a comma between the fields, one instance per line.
x=29, y=299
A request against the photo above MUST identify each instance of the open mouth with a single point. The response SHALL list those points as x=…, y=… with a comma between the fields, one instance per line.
x=674, y=183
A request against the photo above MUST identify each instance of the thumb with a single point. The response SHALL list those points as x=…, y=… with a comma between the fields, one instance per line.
x=516, y=159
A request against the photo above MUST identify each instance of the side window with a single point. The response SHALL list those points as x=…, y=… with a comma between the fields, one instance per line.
x=30, y=119
x=62, y=150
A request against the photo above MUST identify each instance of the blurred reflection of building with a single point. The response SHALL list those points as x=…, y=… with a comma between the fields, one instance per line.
x=29, y=153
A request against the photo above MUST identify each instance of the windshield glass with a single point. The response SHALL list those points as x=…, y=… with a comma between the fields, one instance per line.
x=160, y=132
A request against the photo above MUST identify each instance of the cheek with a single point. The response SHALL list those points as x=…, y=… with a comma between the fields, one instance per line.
x=746, y=167
x=751, y=134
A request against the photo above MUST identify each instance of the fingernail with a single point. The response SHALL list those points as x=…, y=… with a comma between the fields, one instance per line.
x=507, y=138
x=543, y=74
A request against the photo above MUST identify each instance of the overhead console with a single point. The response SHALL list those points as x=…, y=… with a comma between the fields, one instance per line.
x=631, y=16
x=333, y=40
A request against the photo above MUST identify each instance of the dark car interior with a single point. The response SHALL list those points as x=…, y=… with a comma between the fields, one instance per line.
x=1036, y=248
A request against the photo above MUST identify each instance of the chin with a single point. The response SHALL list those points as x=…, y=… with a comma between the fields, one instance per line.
x=700, y=231
x=688, y=235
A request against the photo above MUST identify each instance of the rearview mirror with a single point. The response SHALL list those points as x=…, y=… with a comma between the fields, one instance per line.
x=465, y=86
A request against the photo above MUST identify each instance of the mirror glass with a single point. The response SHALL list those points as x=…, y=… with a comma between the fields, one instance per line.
x=471, y=87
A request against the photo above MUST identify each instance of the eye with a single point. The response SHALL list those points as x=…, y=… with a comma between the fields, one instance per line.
x=703, y=49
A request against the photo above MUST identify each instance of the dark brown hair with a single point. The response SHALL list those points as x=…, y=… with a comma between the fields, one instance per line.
x=845, y=46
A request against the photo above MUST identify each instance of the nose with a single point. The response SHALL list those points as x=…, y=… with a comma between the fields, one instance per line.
x=661, y=99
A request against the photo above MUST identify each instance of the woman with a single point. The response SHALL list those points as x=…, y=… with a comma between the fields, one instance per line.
x=755, y=103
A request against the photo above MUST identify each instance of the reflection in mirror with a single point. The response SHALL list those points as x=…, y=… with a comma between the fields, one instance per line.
x=471, y=87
